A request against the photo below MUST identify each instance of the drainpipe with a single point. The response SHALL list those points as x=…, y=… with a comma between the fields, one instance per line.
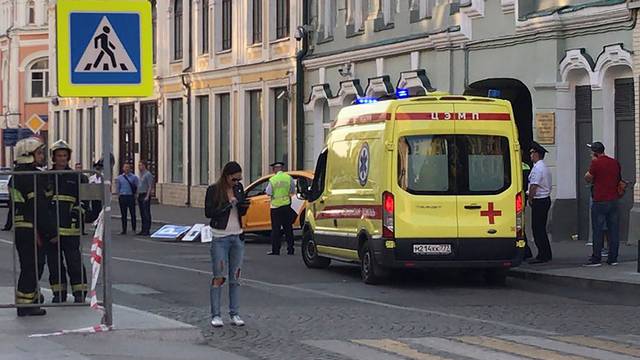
x=302, y=34
x=186, y=73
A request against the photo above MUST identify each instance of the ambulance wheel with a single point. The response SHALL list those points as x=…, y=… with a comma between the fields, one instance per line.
x=496, y=276
x=310, y=253
x=371, y=272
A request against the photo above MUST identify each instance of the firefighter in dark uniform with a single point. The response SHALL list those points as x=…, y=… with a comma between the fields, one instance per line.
x=33, y=226
x=66, y=257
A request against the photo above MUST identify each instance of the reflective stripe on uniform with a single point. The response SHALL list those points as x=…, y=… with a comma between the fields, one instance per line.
x=79, y=287
x=26, y=298
x=24, y=225
x=65, y=198
x=31, y=195
x=58, y=287
x=16, y=196
x=69, y=232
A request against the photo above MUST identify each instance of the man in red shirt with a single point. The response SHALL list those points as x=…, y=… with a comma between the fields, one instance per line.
x=604, y=174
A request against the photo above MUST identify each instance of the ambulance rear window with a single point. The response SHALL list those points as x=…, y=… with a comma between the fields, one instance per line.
x=484, y=164
x=424, y=164
x=454, y=164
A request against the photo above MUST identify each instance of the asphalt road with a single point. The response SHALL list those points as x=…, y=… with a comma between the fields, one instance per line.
x=297, y=313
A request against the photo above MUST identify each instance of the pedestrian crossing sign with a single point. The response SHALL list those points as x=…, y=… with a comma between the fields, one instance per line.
x=104, y=48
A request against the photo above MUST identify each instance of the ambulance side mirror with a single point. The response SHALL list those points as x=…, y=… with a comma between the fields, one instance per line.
x=302, y=188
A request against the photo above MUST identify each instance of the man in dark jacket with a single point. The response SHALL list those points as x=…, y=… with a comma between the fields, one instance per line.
x=33, y=226
x=66, y=203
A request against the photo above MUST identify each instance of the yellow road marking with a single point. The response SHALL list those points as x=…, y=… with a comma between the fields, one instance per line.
x=515, y=348
x=399, y=348
x=621, y=348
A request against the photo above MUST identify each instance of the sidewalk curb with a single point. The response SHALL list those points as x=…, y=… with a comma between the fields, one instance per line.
x=576, y=282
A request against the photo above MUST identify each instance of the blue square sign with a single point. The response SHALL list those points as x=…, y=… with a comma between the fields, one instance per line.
x=105, y=48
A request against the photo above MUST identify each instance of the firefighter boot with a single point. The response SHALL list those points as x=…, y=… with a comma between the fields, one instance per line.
x=31, y=311
x=79, y=296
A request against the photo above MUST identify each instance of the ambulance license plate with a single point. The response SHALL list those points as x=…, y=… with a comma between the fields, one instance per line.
x=432, y=249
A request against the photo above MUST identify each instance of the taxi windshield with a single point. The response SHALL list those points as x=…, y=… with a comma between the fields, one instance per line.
x=454, y=164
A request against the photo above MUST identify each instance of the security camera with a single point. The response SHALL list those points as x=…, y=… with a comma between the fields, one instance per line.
x=345, y=70
x=55, y=101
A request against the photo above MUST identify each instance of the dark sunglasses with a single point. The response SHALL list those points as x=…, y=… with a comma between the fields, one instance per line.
x=236, y=179
x=532, y=151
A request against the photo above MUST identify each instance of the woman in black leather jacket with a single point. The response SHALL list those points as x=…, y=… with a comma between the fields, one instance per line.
x=225, y=204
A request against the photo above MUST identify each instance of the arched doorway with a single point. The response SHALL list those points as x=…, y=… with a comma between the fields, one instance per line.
x=518, y=94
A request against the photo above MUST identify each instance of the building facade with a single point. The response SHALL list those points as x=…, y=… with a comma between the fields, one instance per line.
x=24, y=67
x=566, y=66
x=224, y=80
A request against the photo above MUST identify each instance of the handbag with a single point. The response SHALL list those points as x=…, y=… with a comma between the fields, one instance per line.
x=622, y=185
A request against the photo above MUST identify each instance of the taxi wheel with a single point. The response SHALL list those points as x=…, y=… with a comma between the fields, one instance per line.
x=371, y=272
x=310, y=253
x=496, y=276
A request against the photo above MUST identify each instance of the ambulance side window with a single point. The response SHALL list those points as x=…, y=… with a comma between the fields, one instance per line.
x=317, y=186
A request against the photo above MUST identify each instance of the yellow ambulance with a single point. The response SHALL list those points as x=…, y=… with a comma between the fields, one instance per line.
x=424, y=182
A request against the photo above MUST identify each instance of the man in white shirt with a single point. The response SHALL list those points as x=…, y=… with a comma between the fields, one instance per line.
x=539, y=195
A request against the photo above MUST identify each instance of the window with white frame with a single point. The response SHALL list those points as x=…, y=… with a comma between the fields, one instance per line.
x=91, y=118
x=356, y=15
x=202, y=103
x=281, y=124
x=177, y=29
x=66, y=125
x=282, y=19
x=227, y=24
x=256, y=21
x=177, y=167
x=326, y=18
x=39, y=79
x=224, y=134
x=31, y=12
x=421, y=9
x=326, y=118
x=154, y=32
x=204, y=43
x=255, y=134
x=80, y=135
x=385, y=16
x=56, y=129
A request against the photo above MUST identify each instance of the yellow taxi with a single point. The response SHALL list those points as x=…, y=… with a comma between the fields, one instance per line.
x=424, y=182
x=258, y=218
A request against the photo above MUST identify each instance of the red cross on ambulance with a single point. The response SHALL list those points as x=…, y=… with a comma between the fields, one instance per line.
x=491, y=213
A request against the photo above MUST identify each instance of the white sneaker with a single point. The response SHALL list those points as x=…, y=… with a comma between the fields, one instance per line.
x=237, y=321
x=217, y=321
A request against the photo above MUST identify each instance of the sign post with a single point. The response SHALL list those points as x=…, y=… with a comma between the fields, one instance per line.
x=104, y=49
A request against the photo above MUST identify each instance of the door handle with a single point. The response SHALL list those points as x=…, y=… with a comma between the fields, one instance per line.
x=492, y=231
x=473, y=207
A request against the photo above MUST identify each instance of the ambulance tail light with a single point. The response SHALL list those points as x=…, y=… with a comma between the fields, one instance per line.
x=519, y=216
x=388, y=209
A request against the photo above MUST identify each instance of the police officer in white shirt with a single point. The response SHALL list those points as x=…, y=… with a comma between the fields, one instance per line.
x=539, y=195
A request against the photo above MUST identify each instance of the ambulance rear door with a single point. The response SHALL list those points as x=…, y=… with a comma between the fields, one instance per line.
x=486, y=179
x=423, y=181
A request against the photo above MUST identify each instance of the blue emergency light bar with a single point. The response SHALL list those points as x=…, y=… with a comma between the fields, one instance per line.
x=402, y=93
x=366, y=100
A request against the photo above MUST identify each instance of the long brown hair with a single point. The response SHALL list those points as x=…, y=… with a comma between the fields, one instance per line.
x=222, y=185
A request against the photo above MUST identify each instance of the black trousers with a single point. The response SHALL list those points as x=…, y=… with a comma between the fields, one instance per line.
x=145, y=212
x=64, y=260
x=32, y=260
x=127, y=202
x=539, y=212
x=281, y=220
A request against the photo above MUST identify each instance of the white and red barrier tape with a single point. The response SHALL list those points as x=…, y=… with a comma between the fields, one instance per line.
x=96, y=265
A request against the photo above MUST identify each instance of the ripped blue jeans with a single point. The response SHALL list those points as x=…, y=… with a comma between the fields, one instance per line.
x=226, y=257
